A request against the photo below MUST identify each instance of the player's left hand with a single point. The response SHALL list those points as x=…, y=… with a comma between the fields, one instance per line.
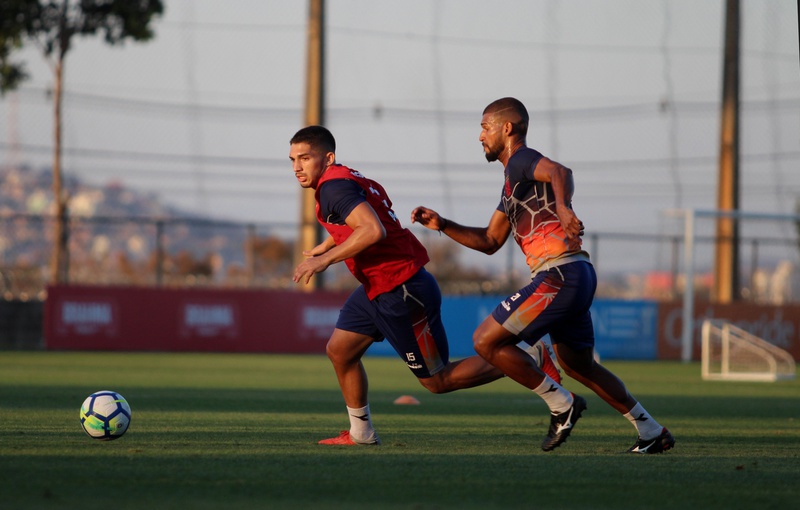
x=308, y=268
x=317, y=250
x=572, y=226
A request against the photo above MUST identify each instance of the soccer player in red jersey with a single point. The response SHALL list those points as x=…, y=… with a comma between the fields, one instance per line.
x=398, y=299
x=536, y=208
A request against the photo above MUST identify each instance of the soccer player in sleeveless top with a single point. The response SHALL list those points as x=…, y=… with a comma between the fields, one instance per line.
x=536, y=208
x=397, y=300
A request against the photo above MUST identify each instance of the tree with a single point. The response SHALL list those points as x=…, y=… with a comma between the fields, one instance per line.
x=52, y=26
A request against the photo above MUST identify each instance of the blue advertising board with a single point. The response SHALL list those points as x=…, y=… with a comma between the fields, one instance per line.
x=623, y=329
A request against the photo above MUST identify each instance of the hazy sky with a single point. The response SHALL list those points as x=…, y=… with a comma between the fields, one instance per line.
x=624, y=92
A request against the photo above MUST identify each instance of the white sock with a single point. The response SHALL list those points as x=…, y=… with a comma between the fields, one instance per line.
x=646, y=426
x=361, y=429
x=554, y=395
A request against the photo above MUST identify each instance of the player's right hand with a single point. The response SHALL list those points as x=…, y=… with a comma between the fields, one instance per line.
x=426, y=217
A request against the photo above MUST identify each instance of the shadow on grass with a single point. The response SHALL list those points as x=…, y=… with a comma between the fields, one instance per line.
x=390, y=477
x=522, y=403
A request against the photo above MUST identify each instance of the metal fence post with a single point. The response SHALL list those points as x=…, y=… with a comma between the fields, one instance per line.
x=250, y=254
x=159, y=252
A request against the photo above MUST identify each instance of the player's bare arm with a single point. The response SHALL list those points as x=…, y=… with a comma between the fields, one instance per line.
x=487, y=239
x=560, y=178
x=367, y=230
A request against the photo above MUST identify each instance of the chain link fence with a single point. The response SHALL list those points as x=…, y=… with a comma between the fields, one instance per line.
x=184, y=252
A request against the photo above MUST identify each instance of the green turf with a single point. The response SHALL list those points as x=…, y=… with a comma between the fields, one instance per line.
x=240, y=432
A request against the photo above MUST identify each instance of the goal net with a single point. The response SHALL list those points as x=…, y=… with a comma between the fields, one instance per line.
x=732, y=354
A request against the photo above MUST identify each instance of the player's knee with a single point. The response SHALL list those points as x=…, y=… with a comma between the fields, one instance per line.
x=335, y=353
x=330, y=351
x=481, y=344
x=435, y=384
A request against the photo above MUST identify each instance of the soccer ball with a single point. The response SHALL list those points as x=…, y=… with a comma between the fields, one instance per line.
x=105, y=415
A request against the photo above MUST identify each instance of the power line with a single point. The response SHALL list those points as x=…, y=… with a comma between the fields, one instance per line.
x=547, y=45
x=279, y=115
x=169, y=108
x=150, y=156
x=232, y=27
x=585, y=165
x=351, y=31
x=409, y=187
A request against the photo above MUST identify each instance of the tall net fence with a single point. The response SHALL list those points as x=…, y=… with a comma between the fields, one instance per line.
x=765, y=250
x=202, y=253
x=626, y=93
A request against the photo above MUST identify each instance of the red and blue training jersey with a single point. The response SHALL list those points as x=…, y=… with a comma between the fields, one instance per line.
x=387, y=263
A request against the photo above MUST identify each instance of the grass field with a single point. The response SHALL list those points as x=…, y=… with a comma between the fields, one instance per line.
x=240, y=431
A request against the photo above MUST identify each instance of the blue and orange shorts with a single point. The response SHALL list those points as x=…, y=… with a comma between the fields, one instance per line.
x=409, y=317
x=556, y=302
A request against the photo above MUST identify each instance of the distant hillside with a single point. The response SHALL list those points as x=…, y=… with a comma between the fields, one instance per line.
x=122, y=236
x=25, y=190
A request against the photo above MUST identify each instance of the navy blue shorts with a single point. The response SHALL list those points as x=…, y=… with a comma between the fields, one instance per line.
x=409, y=316
x=557, y=302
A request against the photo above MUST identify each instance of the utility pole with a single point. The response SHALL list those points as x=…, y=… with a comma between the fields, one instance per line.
x=310, y=230
x=59, y=262
x=726, y=266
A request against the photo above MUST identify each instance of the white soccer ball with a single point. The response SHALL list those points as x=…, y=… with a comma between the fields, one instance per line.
x=105, y=415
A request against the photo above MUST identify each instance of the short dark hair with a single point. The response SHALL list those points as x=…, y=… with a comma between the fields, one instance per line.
x=511, y=105
x=318, y=137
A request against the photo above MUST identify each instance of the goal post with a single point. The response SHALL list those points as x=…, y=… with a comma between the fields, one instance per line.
x=730, y=353
x=690, y=237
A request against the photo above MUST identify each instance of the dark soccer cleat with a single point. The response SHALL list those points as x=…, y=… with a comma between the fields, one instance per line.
x=659, y=444
x=344, y=439
x=561, y=424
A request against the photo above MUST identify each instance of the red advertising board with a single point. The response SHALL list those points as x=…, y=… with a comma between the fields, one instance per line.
x=148, y=319
x=779, y=325
x=240, y=320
